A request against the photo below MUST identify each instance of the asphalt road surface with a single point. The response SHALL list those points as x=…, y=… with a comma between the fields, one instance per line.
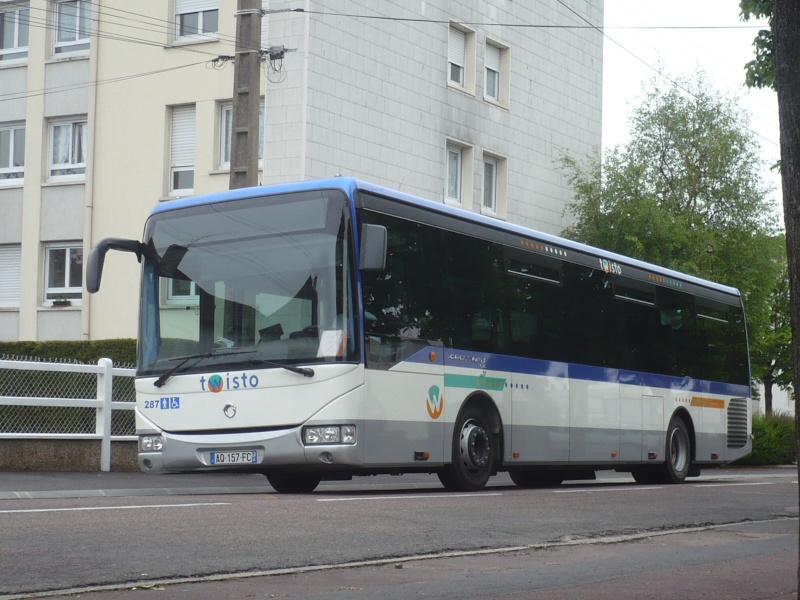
x=729, y=534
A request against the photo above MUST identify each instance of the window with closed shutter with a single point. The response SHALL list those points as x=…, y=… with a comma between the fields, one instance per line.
x=456, y=55
x=10, y=275
x=182, y=149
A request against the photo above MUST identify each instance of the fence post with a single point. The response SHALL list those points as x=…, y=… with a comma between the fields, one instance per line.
x=105, y=382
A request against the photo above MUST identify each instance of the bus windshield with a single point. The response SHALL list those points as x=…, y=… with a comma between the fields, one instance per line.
x=262, y=281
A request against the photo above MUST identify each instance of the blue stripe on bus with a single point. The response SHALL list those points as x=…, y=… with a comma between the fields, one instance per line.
x=533, y=366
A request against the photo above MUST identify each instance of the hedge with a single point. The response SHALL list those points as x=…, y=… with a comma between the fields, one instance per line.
x=121, y=351
x=774, y=440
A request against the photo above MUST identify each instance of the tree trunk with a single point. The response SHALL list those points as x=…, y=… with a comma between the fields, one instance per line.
x=786, y=31
x=768, y=381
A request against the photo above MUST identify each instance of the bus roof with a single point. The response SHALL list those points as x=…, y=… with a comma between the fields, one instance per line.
x=350, y=185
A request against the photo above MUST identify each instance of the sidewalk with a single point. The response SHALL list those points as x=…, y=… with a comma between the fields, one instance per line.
x=48, y=485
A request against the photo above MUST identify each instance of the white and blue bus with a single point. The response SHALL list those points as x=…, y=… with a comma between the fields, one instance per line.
x=332, y=328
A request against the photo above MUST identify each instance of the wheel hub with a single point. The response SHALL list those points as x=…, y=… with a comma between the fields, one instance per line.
x=475, y=449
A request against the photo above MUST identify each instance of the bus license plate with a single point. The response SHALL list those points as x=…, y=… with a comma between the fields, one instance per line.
x=234, y=458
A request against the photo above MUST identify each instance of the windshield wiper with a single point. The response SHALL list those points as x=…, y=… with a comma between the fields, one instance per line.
x=196, y=357
x=304, y=371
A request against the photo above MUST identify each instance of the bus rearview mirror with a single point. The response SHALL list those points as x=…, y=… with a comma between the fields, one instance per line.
x=373, y=248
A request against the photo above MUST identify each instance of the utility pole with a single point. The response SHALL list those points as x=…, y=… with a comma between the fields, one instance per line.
x=246, y=95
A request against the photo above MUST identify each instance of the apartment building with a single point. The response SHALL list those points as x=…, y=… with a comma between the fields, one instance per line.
x=109, y=107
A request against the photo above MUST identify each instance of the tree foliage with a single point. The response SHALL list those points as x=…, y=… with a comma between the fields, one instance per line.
x=687, y=193
x=760, y=72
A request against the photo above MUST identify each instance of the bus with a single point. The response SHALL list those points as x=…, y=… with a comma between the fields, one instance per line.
x=326, y=329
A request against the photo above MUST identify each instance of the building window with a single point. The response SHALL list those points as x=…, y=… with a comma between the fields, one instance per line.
x=495, y=185
x=68, y=149
x=496, y=73
x=458, y=174
x=14, y=31
x=456, y=56
x=461, y=58
x=72, y=27
x=196, y=18
x=454, y=168
x=63, y=273
x=226, y=133
x=489, y=184
x=182, y=149
x=10, y=275
x=492, y=80
x=180, y=292
x=12, y=152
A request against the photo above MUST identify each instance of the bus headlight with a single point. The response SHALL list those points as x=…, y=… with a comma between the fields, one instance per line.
x=329, y=434
x=151, y=443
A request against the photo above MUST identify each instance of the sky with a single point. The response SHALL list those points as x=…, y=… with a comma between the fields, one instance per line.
x=629, y=55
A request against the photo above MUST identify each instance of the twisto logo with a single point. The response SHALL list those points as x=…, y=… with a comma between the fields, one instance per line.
x=435, y=402
x=217, y=383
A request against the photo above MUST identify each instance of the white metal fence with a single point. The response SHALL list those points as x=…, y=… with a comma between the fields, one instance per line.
x=67, y=401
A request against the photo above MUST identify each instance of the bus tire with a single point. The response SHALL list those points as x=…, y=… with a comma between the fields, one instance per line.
x=293, y=483
x=474, y=452
x=677, y=452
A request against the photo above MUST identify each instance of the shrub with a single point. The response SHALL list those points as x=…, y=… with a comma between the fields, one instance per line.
x=121, y=351
x=774, y=440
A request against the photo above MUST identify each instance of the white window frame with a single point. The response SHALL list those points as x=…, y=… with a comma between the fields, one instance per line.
x=489, y=187
x=463, y=153
x=10, y=171
x=454, y=182
x=17, y=47
x=226, y=133
x=73, y=165
x=491, y=79
x=494, y=200
x=461, y=56
x=173, y=299
x=55, y=293
x=456, y=56
x=80, y=30
x=10, y=276
x=497, y=60
x=182, y=147
x=201, y=8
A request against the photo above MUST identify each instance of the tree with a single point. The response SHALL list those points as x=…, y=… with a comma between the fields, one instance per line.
x=771, y=355
x=685, y=193
x=784, y=16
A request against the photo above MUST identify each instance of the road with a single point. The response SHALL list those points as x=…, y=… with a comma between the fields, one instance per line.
x=389, y=529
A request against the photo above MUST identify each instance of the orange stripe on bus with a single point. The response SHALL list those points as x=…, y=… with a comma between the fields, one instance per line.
x=708, y=402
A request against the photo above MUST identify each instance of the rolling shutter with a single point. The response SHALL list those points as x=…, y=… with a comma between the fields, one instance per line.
x=183, y=136
x=191, y=6
x=10, y=275
x=457, y=49
x=493, y=58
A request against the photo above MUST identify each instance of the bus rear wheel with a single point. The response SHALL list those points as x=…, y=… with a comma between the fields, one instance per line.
x=677, y=458
x=474, y=452
x=293, y=483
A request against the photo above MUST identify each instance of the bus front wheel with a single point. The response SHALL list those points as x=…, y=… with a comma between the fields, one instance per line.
x=293, y=483
x=475, y=449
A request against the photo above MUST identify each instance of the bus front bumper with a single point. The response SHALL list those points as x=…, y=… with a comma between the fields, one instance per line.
x=252, y=451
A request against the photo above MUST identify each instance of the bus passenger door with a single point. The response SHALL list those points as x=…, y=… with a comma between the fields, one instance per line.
x=404, y=411
x=594, y=414
x=631, y=414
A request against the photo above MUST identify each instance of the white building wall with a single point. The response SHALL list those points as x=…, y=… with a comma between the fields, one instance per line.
x=363, y=97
